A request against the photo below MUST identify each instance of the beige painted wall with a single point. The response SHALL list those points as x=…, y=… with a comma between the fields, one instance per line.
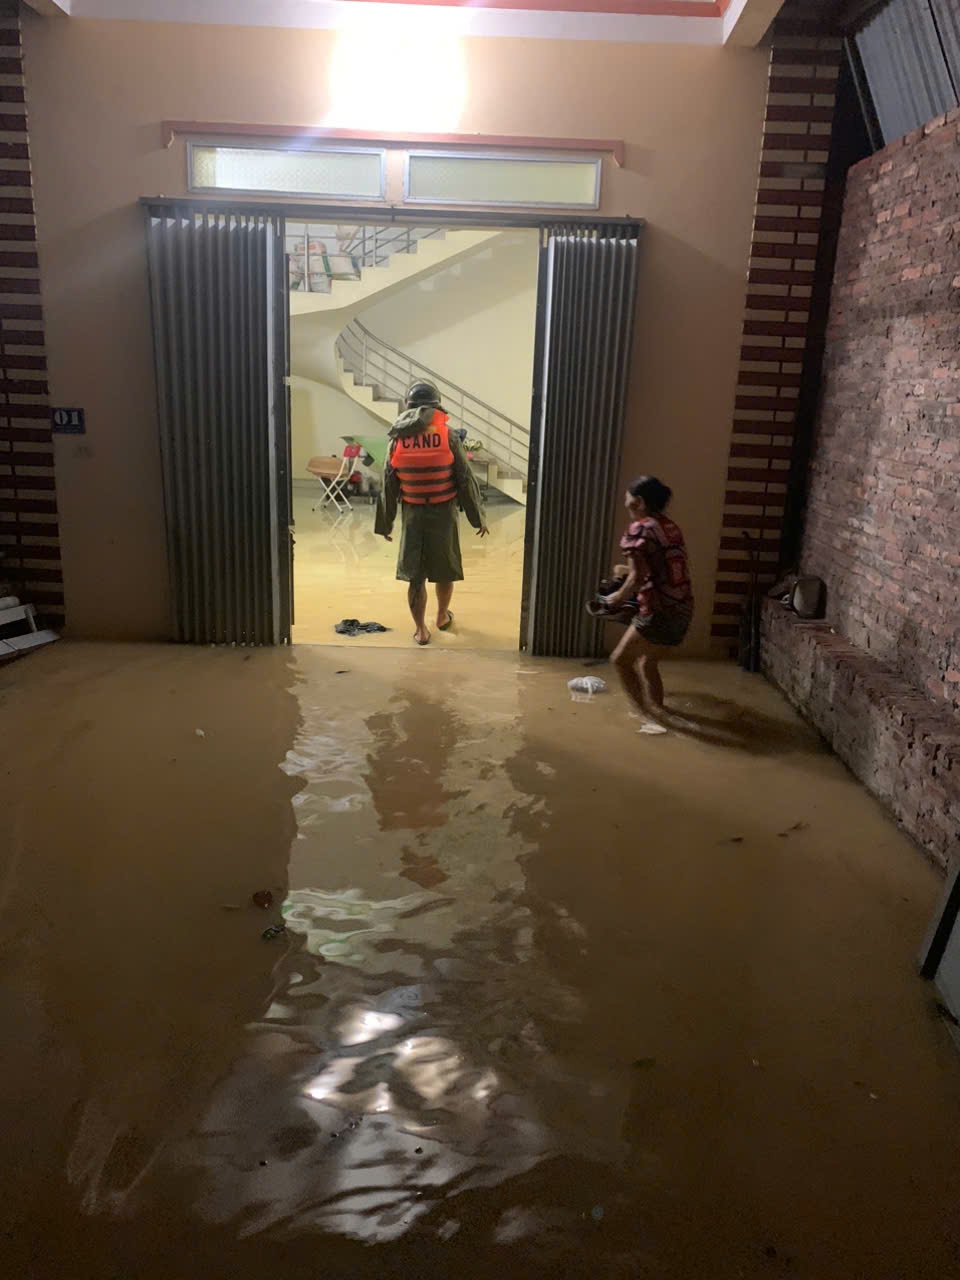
x=473, y=323
x=320, y=416
x=691, y=118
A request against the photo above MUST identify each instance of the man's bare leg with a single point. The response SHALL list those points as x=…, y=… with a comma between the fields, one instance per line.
x=417, y=600
x=444, y=596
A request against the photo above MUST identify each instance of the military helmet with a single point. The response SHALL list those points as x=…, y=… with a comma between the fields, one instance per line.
x=421, y=394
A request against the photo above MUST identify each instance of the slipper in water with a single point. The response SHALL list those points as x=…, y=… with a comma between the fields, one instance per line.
x=421, y=643
x=650, y=726
x=448, y=624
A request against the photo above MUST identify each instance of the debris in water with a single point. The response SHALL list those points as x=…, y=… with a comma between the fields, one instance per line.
x=733, y=840
x=262, y=898
x=947, y=1014
x=274, y=931
x=582, y=688
x=354, y=627
x=230, y=906
x=353, y=1123
x=200, y=733
x=418, y=1151
x=797, y=826
x=343, y=672
x=643, y=1064
x=650, y=726
x=770, y=1251
x=596, y=1213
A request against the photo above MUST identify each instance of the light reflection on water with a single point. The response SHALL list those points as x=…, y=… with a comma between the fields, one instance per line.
x=410, y=1050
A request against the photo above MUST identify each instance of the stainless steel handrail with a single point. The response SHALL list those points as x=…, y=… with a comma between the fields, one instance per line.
x=367, y=246
x=388, y=371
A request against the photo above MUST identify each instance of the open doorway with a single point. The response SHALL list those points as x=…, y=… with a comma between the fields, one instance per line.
x=374, y=309
x=221, y=300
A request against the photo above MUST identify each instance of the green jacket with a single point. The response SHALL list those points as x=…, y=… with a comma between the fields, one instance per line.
x=468, y=491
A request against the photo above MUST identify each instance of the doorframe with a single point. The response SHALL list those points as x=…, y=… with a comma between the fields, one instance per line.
x=542, y=221
x=505, y=219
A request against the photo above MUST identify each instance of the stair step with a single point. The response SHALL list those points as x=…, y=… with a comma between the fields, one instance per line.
x=16, y=613
x=13, y=645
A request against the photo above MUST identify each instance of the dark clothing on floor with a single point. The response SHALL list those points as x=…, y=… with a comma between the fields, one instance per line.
x=354, y=627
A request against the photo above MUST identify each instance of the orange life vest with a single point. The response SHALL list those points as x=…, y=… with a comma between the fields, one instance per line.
x=423, y=461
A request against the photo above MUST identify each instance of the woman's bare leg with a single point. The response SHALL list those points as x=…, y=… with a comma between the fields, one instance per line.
x=652, y=682
x=638, y=665
x=625, y=659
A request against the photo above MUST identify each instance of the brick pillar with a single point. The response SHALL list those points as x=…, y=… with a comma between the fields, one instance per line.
x=29, y=533
x=801, y=92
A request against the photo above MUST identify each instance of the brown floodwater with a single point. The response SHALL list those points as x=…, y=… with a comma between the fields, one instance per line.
x=553, y=998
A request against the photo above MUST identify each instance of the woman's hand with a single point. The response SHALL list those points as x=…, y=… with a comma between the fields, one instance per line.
x=482, y=531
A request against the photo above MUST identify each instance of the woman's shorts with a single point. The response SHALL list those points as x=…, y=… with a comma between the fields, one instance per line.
x=666, y=629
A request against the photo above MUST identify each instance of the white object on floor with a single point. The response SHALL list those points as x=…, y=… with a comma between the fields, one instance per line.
x=650, y=726
x=30, y=640
x=19, y=613
x=14, y=646
x=587, y=684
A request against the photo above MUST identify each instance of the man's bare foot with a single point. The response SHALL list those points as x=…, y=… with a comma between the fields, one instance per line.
x=422, y=635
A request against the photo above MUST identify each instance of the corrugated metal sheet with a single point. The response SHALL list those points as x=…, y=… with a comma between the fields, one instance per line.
x=946, y=14
x=905, y=65
x=219, y=315
x=588, y=296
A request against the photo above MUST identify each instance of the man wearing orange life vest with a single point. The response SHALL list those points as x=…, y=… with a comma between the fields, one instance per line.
x=428, y=477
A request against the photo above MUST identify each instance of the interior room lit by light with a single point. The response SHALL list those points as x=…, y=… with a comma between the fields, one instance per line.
x=406, y=72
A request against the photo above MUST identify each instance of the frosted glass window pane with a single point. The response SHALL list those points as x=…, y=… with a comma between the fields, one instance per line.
x=451, y=179
x=303, y=173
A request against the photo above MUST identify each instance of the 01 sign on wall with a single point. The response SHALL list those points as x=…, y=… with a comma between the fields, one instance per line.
x=68, y=422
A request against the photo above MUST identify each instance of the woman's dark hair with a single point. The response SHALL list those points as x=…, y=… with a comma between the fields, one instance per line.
x=655, y=494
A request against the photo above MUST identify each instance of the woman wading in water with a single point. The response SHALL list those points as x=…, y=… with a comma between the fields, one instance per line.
x=656, y=598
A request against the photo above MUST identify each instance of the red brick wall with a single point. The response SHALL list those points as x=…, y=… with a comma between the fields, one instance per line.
x=883, y=518
x=29, y=533
x=804, y=65
x=904, y=746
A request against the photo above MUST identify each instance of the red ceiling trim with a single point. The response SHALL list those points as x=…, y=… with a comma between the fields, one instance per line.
x=220, y=129
x=630, y=8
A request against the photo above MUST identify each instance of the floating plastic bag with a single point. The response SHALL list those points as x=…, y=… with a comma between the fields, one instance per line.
x=582, y=688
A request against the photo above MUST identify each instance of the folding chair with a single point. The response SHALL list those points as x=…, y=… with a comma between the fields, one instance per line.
x=334, y=487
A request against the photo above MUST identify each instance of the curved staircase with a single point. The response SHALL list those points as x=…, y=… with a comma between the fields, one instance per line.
x=376, y=375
